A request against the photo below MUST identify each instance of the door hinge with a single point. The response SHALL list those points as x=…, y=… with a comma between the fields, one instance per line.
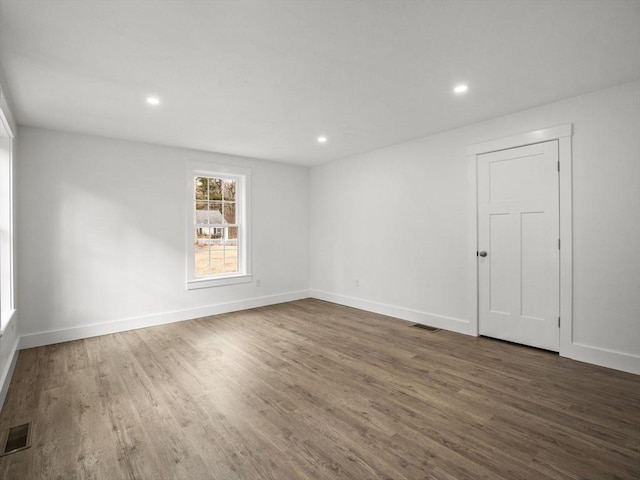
x=558, y=165
x=558, y=322
x=558, y=244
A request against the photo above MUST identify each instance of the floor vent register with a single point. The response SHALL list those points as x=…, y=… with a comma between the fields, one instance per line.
x=426, y=327
x=16, y=439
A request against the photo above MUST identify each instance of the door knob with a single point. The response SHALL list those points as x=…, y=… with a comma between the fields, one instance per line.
x=483, y=253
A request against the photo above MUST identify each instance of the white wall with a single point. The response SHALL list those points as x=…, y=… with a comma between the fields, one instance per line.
x=102, y=241
x=396, y=219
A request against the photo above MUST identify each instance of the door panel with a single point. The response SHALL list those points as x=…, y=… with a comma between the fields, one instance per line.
x=501, y=286
x=516, y=178
x=518, y=227
x=532, y=288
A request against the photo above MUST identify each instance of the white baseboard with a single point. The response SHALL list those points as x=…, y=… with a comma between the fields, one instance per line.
x=584, y=353
x=424, y=318
x=7, y=372
x=603, y=357
x=76, y=333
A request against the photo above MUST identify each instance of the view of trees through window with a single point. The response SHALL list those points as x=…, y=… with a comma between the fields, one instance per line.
x=215, y=226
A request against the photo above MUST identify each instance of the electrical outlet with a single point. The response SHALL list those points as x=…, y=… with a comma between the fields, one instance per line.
x=356, y=283
x=258, y=283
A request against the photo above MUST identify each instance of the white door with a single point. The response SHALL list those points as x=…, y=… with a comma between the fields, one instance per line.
x=518, y=243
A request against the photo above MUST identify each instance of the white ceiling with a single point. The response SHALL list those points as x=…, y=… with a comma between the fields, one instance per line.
x=265, y=78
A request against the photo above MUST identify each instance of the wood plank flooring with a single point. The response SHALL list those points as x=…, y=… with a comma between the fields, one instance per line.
x=312, y=390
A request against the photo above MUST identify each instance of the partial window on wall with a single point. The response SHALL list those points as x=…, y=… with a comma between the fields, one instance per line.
x=6, y=224
x=218, y=252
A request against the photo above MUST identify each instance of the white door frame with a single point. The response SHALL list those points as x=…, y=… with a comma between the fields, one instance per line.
x=561, y=133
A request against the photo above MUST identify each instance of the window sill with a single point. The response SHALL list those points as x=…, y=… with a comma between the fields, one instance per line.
x=217, y=282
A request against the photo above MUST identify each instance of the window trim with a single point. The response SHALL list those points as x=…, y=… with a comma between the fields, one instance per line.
x=7, y=245
x=243, y=207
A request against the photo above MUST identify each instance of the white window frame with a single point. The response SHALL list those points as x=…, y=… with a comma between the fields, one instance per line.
x=243, y=202
x=7, y=279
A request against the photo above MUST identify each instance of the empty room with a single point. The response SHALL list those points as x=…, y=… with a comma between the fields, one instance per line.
x=322, y=239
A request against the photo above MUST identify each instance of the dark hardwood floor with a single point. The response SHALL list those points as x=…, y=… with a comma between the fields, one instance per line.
x=312, y=390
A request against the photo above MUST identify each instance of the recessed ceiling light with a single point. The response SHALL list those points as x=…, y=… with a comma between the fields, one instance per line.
x=153, y=100
x=322, y=139
x=462, y=88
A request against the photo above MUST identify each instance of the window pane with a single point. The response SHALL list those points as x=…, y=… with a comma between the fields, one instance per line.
x=230, y=212
x=201, y=248
x=215, y=188
x=204, y=216
x=211, y=213
x=198, y=216
x=215, y=213
x=217, y=257
x=229, y=190
x=231, y=250
x=201, y=188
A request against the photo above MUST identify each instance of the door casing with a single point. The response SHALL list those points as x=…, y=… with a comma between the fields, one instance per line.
x=562, y=134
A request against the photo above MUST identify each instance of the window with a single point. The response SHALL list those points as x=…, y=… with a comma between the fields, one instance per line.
x=7, y=308
x=218, y=251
